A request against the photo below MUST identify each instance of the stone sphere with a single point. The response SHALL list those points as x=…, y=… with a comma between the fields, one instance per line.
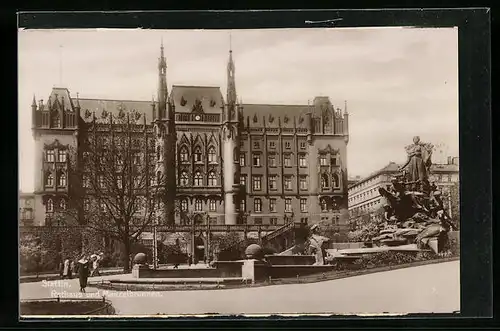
x=254, y=251
x=140, y=258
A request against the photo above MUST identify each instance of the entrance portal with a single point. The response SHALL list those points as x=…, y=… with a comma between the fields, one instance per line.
x=199, y=249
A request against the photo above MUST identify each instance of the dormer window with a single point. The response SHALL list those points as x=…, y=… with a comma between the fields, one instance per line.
x=322, y=160
x=212, y=157
x=62, y=180
x=184, y=155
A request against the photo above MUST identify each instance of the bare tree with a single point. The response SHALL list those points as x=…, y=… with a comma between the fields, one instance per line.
x=115, y=189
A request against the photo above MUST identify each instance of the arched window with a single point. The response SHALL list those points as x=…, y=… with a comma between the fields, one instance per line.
x=62, y=179
x=184, y=178
x=62, y=204
x=212, y=157
x=184, y=154
x=198, y=205
x=212, y=179
x=198, y=219
x=158, y=177
x=50, y=155
x=198, y=179
x=50, y=206
x=324, y=180
x=184, y=205
x=158, y=153
x=56, y=120
x=324, y=205
x=49, y=180
x=335, y=180
x=61, y=155
x=197, y=154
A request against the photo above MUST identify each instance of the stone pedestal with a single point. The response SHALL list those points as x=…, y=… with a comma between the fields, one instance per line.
x=138, y=268
x=254, y=270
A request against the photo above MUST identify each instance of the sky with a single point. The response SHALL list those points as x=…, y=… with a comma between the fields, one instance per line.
x=398, y=82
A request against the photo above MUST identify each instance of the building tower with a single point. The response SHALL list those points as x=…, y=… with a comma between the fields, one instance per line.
x=165, y=137
x=230, y=145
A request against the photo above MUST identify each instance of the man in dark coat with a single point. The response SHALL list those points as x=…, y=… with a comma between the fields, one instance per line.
x=83, y=272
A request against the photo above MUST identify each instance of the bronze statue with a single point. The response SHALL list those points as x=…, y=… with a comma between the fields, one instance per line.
x=418, y=164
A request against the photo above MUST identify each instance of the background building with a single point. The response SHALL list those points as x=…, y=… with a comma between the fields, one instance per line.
x=240, y=163
x=364, y=196
x=26, y=208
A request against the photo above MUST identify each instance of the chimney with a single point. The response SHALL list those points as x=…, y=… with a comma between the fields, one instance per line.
x=450, y=160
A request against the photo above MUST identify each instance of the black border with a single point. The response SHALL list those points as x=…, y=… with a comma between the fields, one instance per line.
x=475, y=140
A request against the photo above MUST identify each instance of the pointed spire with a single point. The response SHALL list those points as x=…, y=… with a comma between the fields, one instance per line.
x=231, y=84
x=345, y=107
x=34, y=101
x=78, y=99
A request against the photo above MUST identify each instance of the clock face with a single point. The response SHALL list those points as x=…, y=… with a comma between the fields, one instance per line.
x=197, y=117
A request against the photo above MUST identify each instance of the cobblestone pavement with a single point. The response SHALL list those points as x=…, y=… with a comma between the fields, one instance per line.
x=428, y=288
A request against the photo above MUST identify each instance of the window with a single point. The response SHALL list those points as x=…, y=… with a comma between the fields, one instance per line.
x=212, y=179
x=62, y=204
x=335, y=179
x=198, y=205
x=184, y=205
x=50, y=206
x=198, y=179
x=272, y=161
x=324, y=180
x=50, y=156
x=302, y=145
x=197, y=154
x=322, y=160
x=287, y=160
x=303, y=182
x=272, y=183
x=242, y=159
x=243, y=180
x=272, y=144
x=56, y=121
x=336, y=219
x=100, y=180
x=184, y=155
x=256, y=144
x=302, y=161
x=324, y=205
x=242, y=143
x=288, y=182
x=119, y=164
x=333, y=161
x=243, y=205
x=256, y=160
x=287, y=145
x=212, y=157
x=184, y=178
x=152, y=180
x=256, y=180
x=212, y=205
x=303, y=205
x=288, y=205
x=273, y=221
x=257, y=205
x=272, y=205
x=49, y=180
x=257, y=221
x=62, y=179
x=61, y=155
x=304, y=220
x=449, y=178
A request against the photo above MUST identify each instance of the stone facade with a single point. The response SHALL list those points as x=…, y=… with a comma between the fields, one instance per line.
x=239, y=163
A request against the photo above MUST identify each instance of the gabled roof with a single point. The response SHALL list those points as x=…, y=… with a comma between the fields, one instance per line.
x=61, y=96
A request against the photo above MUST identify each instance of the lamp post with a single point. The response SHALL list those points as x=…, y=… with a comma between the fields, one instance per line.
x=155, y=244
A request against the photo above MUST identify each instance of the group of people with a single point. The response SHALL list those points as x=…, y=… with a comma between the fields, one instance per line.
x=87, y=266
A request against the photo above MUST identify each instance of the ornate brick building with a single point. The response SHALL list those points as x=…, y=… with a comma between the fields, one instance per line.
x=240, y=163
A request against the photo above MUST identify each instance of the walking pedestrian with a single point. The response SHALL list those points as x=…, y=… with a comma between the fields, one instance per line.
x=190, y=260
x=95, y=266
x=72, y=270
x=66, y=270
x=83, y=272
